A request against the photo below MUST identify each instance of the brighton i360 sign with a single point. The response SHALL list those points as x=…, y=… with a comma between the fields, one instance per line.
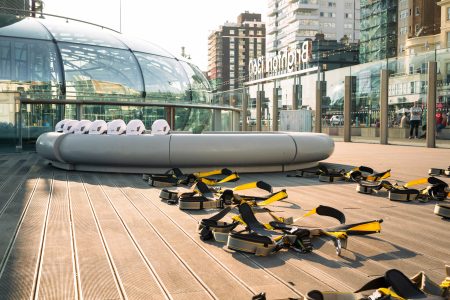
x=287, y=61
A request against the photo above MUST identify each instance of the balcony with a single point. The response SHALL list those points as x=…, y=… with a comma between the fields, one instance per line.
x=305, y=5
x=272, y=11
x=272, y=30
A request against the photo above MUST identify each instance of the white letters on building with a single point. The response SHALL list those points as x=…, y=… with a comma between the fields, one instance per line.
x=287, y=61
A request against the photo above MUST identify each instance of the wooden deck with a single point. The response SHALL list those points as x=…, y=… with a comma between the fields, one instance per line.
x=74, y=235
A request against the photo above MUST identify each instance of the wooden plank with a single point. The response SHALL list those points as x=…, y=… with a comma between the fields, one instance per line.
x=97, y=278
x=170, y=269
x=134, y=275
x=56, y=278
x=18, y=274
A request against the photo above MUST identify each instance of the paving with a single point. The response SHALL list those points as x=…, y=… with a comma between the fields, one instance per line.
x=80, y=235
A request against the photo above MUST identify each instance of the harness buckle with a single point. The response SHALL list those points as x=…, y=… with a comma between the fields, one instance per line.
x=302, y=242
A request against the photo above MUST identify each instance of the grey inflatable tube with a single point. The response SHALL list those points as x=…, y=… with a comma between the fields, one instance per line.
x=243, y=152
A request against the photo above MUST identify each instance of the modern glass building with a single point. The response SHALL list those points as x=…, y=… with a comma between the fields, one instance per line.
x=52, y=69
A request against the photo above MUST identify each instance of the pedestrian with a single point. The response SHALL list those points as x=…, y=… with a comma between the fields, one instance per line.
x=404, y=121
x=416, y=113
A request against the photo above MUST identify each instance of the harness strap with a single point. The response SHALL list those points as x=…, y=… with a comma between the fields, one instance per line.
x=442, y=209
x=439, y=172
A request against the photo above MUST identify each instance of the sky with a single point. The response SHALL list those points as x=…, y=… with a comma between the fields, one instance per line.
x=169, y=24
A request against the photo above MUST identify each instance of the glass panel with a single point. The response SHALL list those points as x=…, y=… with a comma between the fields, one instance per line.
x=193, y=119
x=110, y=112
x=30, y=67
x=37, y=119
x=7, y=119
x=165, y=79
x=22, y=27
x=199, y=84
x=93, y=72
x=139, y=45
x=75, y=32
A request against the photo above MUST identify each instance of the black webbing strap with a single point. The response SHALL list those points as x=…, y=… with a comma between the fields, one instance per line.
x=398, y=282
x=208, y=226
x=439, y=172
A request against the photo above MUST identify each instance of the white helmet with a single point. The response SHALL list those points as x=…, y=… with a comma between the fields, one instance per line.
x=60, y=125
x=135, y=127
x=83, y=127
x=98, y=127
x=69, y=126
x=117, y=127
x=160, y=127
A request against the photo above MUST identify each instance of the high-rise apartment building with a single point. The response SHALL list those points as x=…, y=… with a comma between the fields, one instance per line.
x=231, y=48
x=14, y=7
x=418, y=26
x=378, y=30
x=290, y=22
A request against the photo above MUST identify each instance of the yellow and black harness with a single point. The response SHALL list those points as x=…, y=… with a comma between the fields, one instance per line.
x=394, y=285
x=436, y=189
x=264, y=239
x=205, y=197
x=175, y=177
x=332, y=175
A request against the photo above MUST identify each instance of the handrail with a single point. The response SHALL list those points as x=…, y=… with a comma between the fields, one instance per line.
x=56, y=16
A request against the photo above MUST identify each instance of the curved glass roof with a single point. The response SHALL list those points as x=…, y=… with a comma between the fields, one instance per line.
x=54, y=59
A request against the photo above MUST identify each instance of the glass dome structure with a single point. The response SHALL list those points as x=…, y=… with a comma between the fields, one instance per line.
x=57, y=70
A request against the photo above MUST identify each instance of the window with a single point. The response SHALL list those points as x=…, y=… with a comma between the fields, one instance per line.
x=417, y=11
x=404, y=14
x=231, y=31
x=448, y=39
x=348, y=26
x=348, y=16
x=331, y=4
x=417, y=28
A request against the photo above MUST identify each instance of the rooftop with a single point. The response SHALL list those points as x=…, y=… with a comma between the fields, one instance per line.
x=92, y=235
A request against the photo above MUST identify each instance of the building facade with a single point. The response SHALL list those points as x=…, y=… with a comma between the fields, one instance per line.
x=52, y=70
x=378, y=30
x=232, y=47
x=418, y=26
x=290, y=22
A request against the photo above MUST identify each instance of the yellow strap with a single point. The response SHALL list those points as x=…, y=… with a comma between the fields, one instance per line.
x=206, y=174
x=336, y=234
x=238, y=218
x=446, y=283
x=246, y=186
x=417, y=182
x=208, y=181
x=229, y=177
x=386, y=291
x=310, y=213
x=372, y=226
x=274, y=198
x=375, y=178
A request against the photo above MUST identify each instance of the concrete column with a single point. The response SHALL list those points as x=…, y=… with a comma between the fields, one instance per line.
x=347, y=109
x=259, y=99
x=431, y=105
x=318, y=108
x=275, y=109
x=295, y=96
x=244, y=110
x=384, y=122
